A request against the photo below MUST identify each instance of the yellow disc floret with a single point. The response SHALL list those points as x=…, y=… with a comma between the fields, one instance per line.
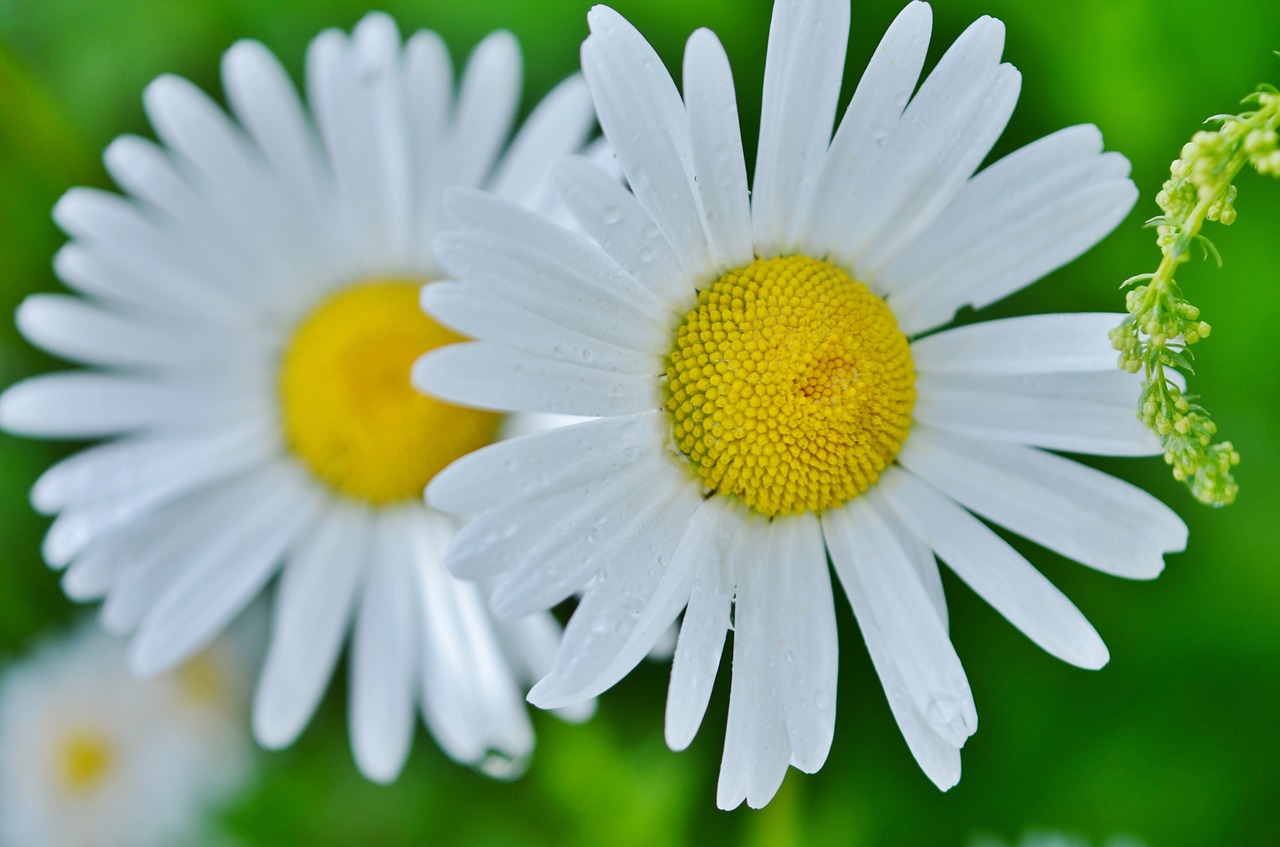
x=349, y=411
x=790, y=386
x=86, y=759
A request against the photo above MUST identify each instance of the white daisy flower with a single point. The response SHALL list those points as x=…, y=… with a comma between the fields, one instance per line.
x=769, y=397
x=251, y=309
x=89, y=755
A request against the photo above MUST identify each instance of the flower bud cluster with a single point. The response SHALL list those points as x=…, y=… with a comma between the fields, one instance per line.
x=1162, y=324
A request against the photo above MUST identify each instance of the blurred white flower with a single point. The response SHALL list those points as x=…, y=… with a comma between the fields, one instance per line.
x=92, y=757
x=251, y=318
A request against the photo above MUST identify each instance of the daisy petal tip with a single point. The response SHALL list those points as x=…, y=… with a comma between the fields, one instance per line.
x=269, y=730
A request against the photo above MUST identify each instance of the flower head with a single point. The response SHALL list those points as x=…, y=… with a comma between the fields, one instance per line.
x=769, y=397
x=251, y=316
x=90, y=755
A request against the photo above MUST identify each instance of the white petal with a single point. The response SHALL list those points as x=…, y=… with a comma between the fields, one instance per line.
x=937, y=757
x=995, y=571
x=472, y=310
x=470, y=697
x=671, y=594
x=428, y=93
x=1082, y=412
x=126, y=254
x=1023, y=345
x=883, y=586
x=1077, y=511
x=802, y=639
x=944, y=172
x=715, y=138
x=489, y=376
x=223, y=578
x=314, y=602
x=558, y=126
x=802, y=74
x=940, y=139
x=234, y=189
x=555, y=525
x=869, y=120
x=267, y=104
x=614, y=218
x=598, y=524
x=1010, y=226
x=644, y=119
x=614, y=602
x=487, y=101
x=384, y=656
x=756, y=747
x=169, y=463
x=713, y=550
x=548, y=249
x=543, y=462
x=82, y=331
x=376, y=55
x=143, y=558
x=86, y=404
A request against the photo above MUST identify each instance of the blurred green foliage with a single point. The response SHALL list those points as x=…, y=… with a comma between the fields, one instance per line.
x=1175, y=741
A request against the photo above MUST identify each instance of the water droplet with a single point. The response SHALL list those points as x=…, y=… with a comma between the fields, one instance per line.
x=500, y=765
x=611, y=216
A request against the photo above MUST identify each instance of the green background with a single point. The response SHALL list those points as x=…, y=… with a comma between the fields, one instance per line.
x=1175, y=741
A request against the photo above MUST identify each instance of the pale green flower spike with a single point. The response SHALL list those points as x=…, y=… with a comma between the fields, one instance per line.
x=1162, y=324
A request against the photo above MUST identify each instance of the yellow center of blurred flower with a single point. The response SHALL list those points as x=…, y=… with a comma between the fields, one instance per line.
x=349, y=411
x=86, y=758
x=790, y=386
x=202, y=682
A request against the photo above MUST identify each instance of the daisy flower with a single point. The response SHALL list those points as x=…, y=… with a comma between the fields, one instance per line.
x=250, y=310
x=770, y=395
x=89, y=755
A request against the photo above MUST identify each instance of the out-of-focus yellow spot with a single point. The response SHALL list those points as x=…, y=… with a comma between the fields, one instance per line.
x=349, y=411
x=87, y=758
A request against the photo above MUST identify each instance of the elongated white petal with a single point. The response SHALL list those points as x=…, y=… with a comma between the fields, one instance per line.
x=644, y=119
x=1082, y=412
x=1080, y=512
x=556, y=524
x=489, y=376
x=706, y=620
x=883, y=586
x=85, y=404
x=543, y=462
x=802, y=75
x=472, y=310
x=314, y=603
x=589, y=542
x=223, y=578
x=715, y=140
x=469, y=693
x=1023, y=345
x=558, y=126
x=615, y=601
x=384, y=655
x=171, y=463
x=925, y=156
x=870, y=119
x=614, y=218
x=487, y=104
x=756, y=747
x=267, y=105
x=804, y=647
x=672, y=592
x=995, y=571
x=75, y=329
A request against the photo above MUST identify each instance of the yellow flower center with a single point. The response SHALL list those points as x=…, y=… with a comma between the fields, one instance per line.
x=87, y=757
x=790, y=386
x=349, y=411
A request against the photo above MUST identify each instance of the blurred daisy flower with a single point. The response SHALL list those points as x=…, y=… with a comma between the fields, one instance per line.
x=90, y=755
x=251, y=312
x=1054, y=839
x=769, y=393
